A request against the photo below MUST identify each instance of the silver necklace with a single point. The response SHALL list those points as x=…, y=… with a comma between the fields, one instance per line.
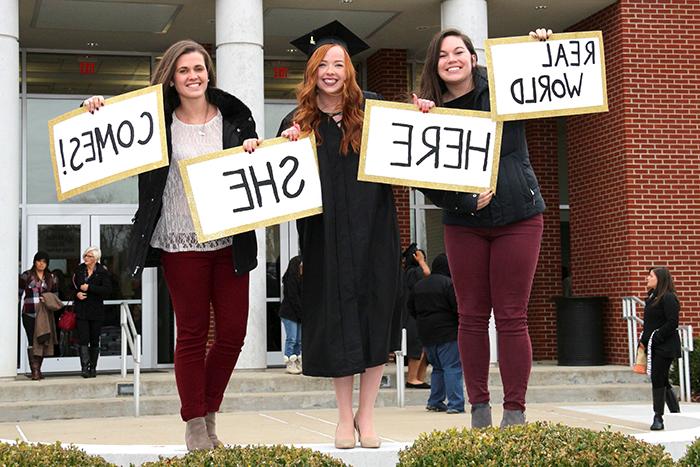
x=201, y=127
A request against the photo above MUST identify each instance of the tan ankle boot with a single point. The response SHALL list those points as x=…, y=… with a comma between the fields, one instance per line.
x=196, y=436
x=210, y=421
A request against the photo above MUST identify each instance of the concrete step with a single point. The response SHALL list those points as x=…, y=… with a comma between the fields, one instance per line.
x=276, y=380
x=301, y=400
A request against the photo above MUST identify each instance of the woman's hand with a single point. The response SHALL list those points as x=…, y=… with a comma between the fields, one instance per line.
x=484, y=199
x=81, y=295
x=251, y=144
x=84, y=287
x=424, y=105
x=541, y=34
x=292, y=133
x=93, y=103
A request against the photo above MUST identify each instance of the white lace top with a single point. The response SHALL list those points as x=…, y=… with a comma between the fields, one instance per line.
x=175, y=230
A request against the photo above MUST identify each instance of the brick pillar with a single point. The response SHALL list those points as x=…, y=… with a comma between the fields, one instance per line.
x=634, y=171
x=542, y=145
x=387, y=74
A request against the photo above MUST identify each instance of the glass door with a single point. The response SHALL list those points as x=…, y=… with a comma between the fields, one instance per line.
x=64, y=238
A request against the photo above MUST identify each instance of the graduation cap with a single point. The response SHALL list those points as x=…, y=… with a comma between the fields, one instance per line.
x=332, y=33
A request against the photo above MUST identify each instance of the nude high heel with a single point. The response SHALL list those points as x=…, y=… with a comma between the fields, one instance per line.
x=367, y=442
x=344, y=443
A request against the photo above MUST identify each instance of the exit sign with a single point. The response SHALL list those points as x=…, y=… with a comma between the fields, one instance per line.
x=280, y=72
x=87, y=68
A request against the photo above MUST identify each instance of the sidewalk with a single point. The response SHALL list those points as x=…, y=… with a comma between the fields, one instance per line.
x=136, y=439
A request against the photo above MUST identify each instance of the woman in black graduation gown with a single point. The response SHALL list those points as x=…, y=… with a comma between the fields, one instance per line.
x=351, y=251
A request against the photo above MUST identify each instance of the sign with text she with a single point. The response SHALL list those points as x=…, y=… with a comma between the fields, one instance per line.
x=124, y=138
x=447, y=149
x=231, y=191
x=564, y=75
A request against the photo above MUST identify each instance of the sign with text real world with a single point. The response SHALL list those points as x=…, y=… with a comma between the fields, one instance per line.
x=447, y=149
x=124, y=138
x=231, y=191
x=564, y=75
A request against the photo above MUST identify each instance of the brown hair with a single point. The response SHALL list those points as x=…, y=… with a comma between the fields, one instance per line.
x=165, y=70
x=431, y=85
x=664, y=283
x=308, y=115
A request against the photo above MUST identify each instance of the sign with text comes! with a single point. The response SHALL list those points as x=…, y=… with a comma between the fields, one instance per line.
x=446, y=149
x=231, y=191
x=124, y=138
x=564, y=75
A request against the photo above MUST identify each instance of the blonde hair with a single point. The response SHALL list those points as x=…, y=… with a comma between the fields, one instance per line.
x=96, y=252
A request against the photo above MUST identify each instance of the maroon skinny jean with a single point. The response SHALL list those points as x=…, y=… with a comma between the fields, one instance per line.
x=195, y=280
x=493, y=268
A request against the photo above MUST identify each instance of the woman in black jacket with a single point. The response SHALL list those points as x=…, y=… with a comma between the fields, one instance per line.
x=492, y=240
x=92, y=284
x=660, y=339
x=199, y=119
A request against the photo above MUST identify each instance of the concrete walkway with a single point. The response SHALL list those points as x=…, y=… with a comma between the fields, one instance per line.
x=137, y=439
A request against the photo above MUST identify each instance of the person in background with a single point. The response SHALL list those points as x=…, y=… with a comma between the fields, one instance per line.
x=92, y=283
x=661, y=341
x=492, y=240
x=199, y=119
x=415, y=269
x=290, y=314
x=433, y=304
x=32, y=283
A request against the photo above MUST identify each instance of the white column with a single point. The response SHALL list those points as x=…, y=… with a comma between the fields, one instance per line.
x=470, y=17
x=239, y=70
x=9, y=180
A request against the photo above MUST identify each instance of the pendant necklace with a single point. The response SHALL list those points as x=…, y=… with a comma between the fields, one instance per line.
x=201, y=127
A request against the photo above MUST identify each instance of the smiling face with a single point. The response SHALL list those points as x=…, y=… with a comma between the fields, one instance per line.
x=191, y=78
x=455, y=63
x=652, y=280
x=331, y=73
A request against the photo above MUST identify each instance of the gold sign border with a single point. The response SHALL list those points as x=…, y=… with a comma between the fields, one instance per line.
x=201, y=237
x=545, y=113
x=158, y=89
x=361, y=175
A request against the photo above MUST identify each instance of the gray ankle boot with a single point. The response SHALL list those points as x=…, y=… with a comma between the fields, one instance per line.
x=196, y=436
x=481, y=415
x=512, y=417
x=210, y=421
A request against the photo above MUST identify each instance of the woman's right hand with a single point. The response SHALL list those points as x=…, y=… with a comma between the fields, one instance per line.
x=251, y=144
x=292, y=133
x=93, y=103
x=81, y=295
x=484, y=199
x=424, y=105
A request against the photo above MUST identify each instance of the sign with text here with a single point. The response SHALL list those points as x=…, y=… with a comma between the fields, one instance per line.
x=445, y=149
x=564, y=75
x=231, y=191
x=124, y=138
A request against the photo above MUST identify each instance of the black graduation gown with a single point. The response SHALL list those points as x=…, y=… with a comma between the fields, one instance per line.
x=351, y=267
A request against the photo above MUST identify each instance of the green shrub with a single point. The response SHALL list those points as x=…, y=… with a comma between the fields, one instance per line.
x=694, y=368
x=533, y=444
x=47, y=455
x=251, y=456
x=692, y=455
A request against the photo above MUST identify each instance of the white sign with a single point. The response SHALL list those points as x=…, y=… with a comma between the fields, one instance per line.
x=564, y=75
x=123, y=138
x=231, y=191
x=447, y=149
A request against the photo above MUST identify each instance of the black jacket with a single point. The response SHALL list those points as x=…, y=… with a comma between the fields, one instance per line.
x=238, y=125
x=432, y=302
x=517, y=195
x=662, y=317
x=99, y=288
x=291, y=302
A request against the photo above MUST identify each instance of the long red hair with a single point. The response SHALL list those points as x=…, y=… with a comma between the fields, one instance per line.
x=308, y=115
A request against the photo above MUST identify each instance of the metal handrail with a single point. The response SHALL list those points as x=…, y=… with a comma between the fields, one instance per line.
x=400, y=379
x=133, y=339
x=685, y=332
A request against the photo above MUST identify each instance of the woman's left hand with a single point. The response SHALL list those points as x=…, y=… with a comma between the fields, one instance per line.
x=251, y=144
x=84, y=287
x=541, y=34
x=81, y=295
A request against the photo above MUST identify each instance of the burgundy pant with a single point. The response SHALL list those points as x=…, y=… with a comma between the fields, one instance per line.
x=196, y=279
x=493, y=267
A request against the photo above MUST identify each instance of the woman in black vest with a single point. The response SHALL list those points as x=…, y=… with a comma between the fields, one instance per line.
x=660, y=339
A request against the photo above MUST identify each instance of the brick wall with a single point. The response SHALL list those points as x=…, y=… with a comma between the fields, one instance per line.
x=634, y=171
x=387, y=74
x=542, y=145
